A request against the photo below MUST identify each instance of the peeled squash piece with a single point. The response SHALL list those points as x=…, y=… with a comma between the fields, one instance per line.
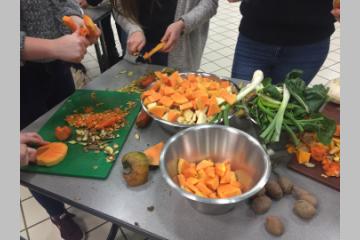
x=51, y=154
x=153, y=153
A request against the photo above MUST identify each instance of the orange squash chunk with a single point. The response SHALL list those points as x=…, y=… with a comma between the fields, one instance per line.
x=192, y=180
x=179, y=99
x=147, y=101
x=210, y=172
x=156, y=86
x=214, y=86
x=201, y=175
x=190, y=171
x=204, y=164
x=213, y=195
x=166, y=101
x=181, y=180
x=175, y=77
x=227, y=176
x=173, y=115
x=213, y=108
x=168, y=91
x=192, y=78
x=203, y=188
x=212, y=183
x=201, y=102
x=182, y=164
x=148, y=93
x=158, y=111
x=195, y=190
x=220, y=169
x=185, y=84
x=51, y=154
x=155, y=97
x=186, y=106
x=153, y=153
x=229, y=98
x=227, y=190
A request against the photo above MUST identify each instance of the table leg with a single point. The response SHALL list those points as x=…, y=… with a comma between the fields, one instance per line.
x=113, y=231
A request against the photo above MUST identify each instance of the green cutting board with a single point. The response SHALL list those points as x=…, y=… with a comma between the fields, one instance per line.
x=77, y=162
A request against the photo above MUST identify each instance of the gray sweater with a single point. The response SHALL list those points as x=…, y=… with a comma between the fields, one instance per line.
x=43, y=18
x=196, y=14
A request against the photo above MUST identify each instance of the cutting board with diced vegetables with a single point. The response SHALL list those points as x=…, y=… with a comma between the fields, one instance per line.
x=332, y=111
x=78, y=161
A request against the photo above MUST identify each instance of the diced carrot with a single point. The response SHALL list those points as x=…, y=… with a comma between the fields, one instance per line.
x=318, y=151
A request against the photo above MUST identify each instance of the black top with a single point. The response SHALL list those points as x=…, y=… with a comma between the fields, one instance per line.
x=287, y=22
x=155, y=16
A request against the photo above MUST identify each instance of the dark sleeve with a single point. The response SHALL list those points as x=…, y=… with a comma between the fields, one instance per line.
x=94, y=2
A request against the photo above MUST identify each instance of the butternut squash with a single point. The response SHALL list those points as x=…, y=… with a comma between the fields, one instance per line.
x=51, y=154
x=153, y=153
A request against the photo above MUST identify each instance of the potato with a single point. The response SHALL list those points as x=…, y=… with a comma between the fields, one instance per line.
x=304, y=209
x=309, y=198
x=286, y=184
x=274, y=190
x=274, y=225
x=297, y=191
x=261, y=205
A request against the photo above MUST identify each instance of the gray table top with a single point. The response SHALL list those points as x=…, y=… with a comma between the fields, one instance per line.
x=173, y=217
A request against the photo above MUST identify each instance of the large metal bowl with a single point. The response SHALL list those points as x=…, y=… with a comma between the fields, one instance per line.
x=218, y=143
x=176, y=127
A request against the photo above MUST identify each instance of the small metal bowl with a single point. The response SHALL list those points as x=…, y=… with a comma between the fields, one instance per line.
x=218, y=143
x=176, y=127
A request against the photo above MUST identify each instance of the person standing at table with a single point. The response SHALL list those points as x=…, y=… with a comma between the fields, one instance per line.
x=278, y=36
x=46, y=51
x=182, y=25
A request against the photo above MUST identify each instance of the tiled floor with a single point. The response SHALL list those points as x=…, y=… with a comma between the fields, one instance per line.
x=218, y=57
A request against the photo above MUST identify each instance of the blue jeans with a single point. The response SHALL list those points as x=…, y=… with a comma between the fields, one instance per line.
x=277, y=61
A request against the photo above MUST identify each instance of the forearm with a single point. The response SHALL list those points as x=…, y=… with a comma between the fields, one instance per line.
x=202, y=13
x=37, y=49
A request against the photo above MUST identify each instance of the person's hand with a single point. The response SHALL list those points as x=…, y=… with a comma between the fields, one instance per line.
x=136, y=42
x=27, y=153
x=83, y=3
x=70, y=48
x=80, y=22
x=336, y=13
x=172, y=35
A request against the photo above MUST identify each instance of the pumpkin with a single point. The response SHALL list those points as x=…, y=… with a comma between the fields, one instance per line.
x=210, y=172
x=212, y=183
x=158, y=111
x=178, y=98
x=51, y=154
x=220, y=169
x=204, y=164
x=173, y=115
x=227, y=190
x=186, y=106
x=153, y=153
x=166, y=101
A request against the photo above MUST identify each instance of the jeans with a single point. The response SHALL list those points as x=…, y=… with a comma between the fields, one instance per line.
x=42, y=86
x=277, y=61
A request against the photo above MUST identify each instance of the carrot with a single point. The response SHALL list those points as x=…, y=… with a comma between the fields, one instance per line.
x=70, y=23
x=157, y=48
x=90, y=25
x=318, y=151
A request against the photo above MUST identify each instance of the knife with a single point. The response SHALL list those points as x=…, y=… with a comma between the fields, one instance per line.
x=146, y=57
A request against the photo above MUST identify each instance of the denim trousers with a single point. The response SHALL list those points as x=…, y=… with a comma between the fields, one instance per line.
x=276, y=61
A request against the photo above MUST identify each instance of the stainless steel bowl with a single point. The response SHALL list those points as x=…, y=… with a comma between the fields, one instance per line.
x=176, y=127
x=218, y=143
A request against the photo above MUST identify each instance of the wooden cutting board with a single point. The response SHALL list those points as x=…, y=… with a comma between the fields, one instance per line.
x=332, y=111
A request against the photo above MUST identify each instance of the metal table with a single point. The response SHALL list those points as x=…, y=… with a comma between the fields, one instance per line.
x=98, y=14
x=173, y=217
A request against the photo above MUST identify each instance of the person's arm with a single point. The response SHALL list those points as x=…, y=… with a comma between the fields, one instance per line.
x=94, y=2
x=70, y=48
x=68, y=8
x=200, y=14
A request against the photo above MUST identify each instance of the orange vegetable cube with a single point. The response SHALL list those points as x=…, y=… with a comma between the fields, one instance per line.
x=204, y=164
x=203, y=188
x=228, y=190
x=190, y=171
x=201, y=175
x=166, y=101
x=210, y=172
x=224, y=84
x=148, y=93
x=147, y=101
x=173, y=115
x=155, y=97
x=168, y=91
x=158, y=111
x=220, y=169
x=178, y=98
x=212, y=183
x=192, y=180
x=212, y=195
x=186, y=106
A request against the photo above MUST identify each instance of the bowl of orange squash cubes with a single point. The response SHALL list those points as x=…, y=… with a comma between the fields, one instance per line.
x=215, y=167
x=181, y=100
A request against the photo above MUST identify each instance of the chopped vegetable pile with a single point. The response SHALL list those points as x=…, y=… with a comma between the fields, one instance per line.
x=292, y=107
x=211, y=180
x=310, y=150
x=188, y=99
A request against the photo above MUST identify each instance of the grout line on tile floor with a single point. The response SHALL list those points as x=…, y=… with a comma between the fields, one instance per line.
x=25, y=224
x=98, y=226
